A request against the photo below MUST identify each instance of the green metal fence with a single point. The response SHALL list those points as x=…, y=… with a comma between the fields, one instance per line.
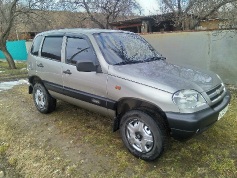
x=17, y=49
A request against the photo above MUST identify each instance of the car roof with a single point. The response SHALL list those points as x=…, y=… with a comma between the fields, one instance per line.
x=78, y=30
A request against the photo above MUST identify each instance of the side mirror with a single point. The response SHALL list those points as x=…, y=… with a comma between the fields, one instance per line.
x=85, y=66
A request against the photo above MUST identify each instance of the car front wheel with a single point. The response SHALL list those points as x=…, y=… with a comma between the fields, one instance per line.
x=143, y=136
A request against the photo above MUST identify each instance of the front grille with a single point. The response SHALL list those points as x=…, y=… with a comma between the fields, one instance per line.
x=216, y=93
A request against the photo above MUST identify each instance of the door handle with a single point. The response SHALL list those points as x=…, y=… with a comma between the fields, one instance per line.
x=67, y=72
x=40, y=65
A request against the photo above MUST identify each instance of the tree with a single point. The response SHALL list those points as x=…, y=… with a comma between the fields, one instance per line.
x=200, y=9
x=103, y=12
x=8, y=14
x=10, y=11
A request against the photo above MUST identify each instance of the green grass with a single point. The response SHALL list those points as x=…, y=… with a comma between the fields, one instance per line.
x=11, y=74
x=3, y=148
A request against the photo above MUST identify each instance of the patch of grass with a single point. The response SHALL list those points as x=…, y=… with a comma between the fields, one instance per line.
x=11, y=74
x=12, y=161
x=3, y=148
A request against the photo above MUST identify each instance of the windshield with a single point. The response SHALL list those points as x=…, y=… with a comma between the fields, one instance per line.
x=125, y=48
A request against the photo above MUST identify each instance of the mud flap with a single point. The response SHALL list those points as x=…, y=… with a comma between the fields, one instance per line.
x=116, y=124
x=30, y=89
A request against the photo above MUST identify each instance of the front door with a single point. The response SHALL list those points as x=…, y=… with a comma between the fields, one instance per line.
x=89, y=87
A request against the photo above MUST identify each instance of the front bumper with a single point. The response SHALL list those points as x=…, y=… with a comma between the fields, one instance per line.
x=184, y=126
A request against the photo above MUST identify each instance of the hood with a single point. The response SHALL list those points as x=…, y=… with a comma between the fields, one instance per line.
x=165, y=76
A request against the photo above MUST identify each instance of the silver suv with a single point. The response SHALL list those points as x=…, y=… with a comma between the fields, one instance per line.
x=119, y=74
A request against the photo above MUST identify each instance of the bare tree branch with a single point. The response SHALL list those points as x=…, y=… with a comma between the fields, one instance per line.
x=103, y=12
x=10, y=11
x=202, y=9
x=87, y=8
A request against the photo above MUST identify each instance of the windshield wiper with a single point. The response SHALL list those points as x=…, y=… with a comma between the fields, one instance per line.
x=135, y=61
x=128, y=62
x=154, y=59
x=81, y=50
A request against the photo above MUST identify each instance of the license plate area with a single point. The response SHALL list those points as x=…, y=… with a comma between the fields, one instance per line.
x=222, y=112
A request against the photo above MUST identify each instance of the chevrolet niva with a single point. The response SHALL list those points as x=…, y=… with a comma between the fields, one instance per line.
x=120, y=74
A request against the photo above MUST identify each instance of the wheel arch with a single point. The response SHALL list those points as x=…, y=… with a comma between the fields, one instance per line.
x=32, y=80
x=127, y=104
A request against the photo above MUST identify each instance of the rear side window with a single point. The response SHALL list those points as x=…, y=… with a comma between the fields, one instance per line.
x=36, y=45
x=52, y=47
x=78, y=49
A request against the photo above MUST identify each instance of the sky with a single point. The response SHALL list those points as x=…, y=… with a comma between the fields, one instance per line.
x=150, y=7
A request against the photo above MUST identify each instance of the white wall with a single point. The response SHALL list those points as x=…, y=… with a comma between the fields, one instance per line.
x=28, y=45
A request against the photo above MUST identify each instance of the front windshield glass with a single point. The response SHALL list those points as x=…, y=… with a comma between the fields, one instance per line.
x=125, y=48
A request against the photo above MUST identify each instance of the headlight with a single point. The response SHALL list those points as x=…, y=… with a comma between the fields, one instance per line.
x=188, y=99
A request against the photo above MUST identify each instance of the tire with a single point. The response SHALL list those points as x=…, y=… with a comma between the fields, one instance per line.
x=44, y=102
x=143, y=136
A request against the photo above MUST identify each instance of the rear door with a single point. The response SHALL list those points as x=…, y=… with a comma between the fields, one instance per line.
x=86, y=86
x=49, y=65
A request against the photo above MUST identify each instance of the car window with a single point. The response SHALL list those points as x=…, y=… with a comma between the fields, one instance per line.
x=36, y=45
x=52, y=47
x=78, y=49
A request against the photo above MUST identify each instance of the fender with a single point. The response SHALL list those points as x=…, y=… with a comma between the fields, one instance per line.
x=126, y=104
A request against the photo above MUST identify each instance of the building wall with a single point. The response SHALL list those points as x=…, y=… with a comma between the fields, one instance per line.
x=211, y=50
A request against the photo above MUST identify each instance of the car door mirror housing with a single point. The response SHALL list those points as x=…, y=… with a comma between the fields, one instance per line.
x=86, y=66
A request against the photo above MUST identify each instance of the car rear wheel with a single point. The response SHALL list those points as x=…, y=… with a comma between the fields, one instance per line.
x=142, y=135
x=44, y=102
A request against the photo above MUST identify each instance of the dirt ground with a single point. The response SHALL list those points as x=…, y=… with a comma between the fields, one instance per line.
x=54, y=141
x=72, y=142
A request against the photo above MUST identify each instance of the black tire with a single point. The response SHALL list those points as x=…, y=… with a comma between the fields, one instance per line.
x=44, y=102
x=144, y=137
